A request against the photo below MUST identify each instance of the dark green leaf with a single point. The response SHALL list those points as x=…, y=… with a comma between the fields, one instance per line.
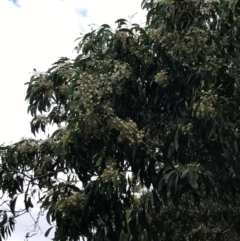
x=192, y=179
x=99, y=161
x=12, y=205
x=47, y=232
x=210, y=176
x=184, y=173
x=176, y=140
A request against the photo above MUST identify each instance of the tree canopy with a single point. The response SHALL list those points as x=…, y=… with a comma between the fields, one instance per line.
x=155, y=106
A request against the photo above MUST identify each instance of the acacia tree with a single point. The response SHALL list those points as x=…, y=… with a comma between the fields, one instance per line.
x=159, y=102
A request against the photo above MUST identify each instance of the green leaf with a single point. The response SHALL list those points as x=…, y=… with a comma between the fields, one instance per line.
x=4, y=219
x=157, y=202
x=210, y=176
x=161, y=184
x=171, y=183
x=58, y=148
x=126, y=30
x=169, y=175
x=224, y=99
x=192, y=179
x=176, y=182
x=56, y=205
x=11, y=223
x=12, y=205
x=236, y=147
x=143, y=2
x=109, y=124
x=121, y=21
x=184, y=173
x=176, y=140
x=105, y=26
x=217, y=41
x=230, y=17
x=227, y=155
x=99, y=161
x=49, y=213
x=56, y=133
x=29, y=203
x=205, y=112
x=48, y=231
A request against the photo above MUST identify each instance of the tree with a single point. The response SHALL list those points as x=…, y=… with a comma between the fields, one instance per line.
x=155, y=105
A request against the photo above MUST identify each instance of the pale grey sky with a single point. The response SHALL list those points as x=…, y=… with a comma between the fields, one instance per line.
x=34, y=34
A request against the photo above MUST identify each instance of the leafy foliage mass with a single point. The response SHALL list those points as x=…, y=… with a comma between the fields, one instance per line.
x=156, y=106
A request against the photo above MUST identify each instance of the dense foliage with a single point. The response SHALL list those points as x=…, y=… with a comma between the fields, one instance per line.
x=156, y=106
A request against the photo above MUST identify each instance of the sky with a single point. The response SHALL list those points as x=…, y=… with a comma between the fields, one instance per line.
x=33, y=35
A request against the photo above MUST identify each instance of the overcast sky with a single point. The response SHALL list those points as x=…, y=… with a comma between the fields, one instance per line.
x=34, y=34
